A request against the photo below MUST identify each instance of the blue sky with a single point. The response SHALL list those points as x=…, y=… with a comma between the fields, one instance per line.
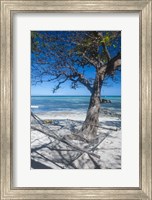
x=110, y=87
x=46, y=88
x=113, y=88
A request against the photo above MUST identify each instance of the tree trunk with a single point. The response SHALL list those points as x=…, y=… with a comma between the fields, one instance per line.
x=90, y=125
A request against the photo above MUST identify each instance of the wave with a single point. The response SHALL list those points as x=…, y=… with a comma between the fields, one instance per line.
x=34, y=106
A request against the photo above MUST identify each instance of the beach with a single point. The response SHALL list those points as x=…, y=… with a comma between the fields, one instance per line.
x=56, y=144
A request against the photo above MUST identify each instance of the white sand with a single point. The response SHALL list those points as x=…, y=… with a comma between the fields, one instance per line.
x=72, y=116
x=44, y=153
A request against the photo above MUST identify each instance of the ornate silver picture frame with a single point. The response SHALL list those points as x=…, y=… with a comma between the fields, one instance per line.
x=8, y=9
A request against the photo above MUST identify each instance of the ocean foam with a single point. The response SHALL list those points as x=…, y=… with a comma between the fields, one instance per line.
x=34, y=106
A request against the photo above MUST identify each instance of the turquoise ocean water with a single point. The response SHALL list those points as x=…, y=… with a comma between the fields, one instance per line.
x=41, y=104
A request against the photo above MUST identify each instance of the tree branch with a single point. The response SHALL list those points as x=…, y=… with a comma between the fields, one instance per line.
x=58, y=85
x=89, y=60
x=113, y=64
x=82, y=80
x=105, y=47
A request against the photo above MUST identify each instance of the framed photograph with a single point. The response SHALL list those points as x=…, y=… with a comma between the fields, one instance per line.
x=76, y=99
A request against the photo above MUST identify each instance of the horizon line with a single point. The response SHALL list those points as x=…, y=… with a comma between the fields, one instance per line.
x=72, y=95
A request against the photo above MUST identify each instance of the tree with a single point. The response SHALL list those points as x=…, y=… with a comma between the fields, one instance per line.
x=66, y=55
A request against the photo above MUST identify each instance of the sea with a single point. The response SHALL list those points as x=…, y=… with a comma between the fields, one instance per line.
x=64, y=106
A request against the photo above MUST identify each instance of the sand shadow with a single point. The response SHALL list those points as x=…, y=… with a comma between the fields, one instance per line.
x=37, y=165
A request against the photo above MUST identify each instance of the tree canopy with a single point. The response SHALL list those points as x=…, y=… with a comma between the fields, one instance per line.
x=62, y=56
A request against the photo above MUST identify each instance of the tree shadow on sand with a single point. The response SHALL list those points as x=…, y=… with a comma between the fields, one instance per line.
x=38, y=165
x=64, y=148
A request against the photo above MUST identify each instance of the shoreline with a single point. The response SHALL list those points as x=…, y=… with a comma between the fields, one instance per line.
x=103, y=96
x=105, y=114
